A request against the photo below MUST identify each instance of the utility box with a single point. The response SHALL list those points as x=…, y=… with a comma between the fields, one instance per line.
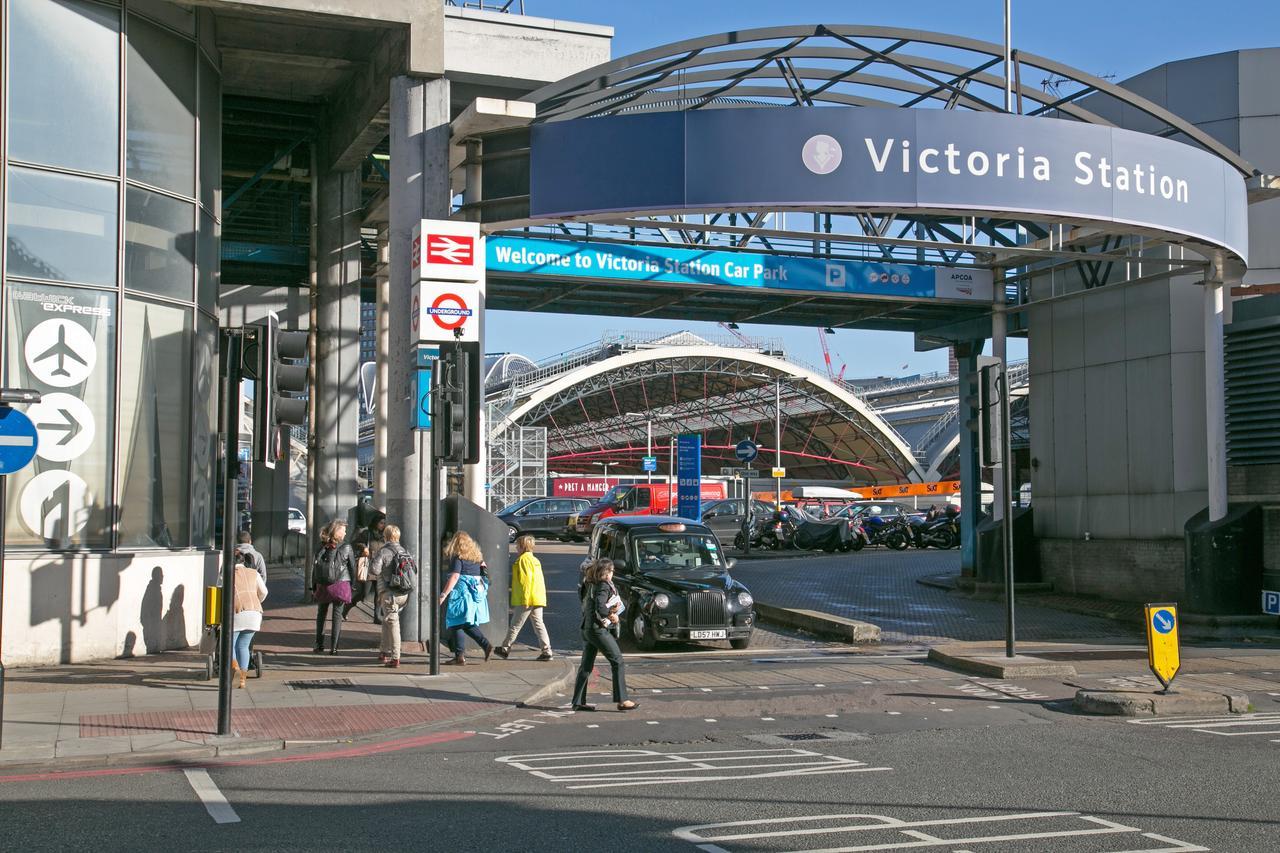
x=491, y=535
x=1223, y=569
x=989, y=565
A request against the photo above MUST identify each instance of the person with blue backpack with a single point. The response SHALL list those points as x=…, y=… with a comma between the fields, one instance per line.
x=467, y=595
x=396, y=574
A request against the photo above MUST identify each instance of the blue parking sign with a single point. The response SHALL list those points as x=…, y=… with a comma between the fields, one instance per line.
x=1271, y=602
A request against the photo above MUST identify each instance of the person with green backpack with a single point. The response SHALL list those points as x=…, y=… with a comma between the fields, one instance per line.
x=397, y=575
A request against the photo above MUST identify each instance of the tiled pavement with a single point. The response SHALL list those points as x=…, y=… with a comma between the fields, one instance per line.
x=880, y=586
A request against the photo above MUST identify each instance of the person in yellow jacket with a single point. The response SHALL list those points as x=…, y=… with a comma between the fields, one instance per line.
x=528, y=597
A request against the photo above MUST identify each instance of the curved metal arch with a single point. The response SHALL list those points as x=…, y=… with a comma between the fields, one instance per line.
x=939, y=458
x=885, y=435
x=613, y=83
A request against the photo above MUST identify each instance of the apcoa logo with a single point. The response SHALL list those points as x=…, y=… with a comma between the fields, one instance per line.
x=445, y=249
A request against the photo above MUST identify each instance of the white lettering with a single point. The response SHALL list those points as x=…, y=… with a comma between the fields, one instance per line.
x=1041, y=169
x=1086, y=171
x=925, y=155
x=978, y=163
x=1166, y=186
x=878, y=163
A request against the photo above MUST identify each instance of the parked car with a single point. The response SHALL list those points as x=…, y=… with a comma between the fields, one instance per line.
x=639, y=499
x=297, y=520
x=725, y=517
x=674, y=578
x=541, y=516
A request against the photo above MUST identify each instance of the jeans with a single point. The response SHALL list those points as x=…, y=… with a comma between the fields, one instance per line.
x=518, y=617
x=391, y=607
x=457, y=645
x=321, y=610
x=240, y=641
x=600, y=640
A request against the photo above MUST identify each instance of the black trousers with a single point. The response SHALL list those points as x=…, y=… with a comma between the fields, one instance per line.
x=599, y=640
x=457, y=645
x=321, y=610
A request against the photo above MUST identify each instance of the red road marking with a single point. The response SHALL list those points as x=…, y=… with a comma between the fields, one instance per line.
x=349, y=752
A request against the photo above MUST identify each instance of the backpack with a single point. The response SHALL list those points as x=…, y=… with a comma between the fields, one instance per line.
x=398, y=576
x=325, y=568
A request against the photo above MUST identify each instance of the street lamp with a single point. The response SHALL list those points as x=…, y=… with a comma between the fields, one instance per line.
x=606, y=473
x=648, y=439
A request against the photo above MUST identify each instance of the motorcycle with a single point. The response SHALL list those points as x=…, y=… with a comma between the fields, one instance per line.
x=778, y=532
x=758, y=528
x=894, y=533
x=941, y=533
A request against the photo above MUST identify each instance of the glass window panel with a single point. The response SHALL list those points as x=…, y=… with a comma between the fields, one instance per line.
x=207, y=261
x=64, y=84
x=61, y=227
x=176, y=17
x=161, y=135
x=159, y=244
x=155, y=426
x=61, y=342
x=204, y=433
x=210, y=138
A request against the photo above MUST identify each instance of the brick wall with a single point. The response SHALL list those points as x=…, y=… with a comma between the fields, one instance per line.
x=1260, y=484
x=1119, y=569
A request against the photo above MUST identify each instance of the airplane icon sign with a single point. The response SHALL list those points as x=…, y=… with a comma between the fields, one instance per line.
x=60, y=353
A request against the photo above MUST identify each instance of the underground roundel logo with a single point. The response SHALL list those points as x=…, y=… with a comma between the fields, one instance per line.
x=449, y=311
x=821, y=154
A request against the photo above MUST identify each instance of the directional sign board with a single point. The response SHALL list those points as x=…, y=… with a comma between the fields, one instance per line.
x=422, y=409
x=66, y=427
x=444, y=312
x=779, y=473
x=649, y=463
x=1271, y=602
x=18, y=440
x=60, y=352
x=746, y=450
x=1162, y=641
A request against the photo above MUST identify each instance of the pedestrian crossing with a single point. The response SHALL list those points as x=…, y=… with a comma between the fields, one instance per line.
x=1232, y=725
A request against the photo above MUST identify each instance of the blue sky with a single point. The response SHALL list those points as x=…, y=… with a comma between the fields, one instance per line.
x=1104, y=38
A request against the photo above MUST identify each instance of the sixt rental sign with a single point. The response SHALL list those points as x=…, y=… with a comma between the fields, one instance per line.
x=610, y=261
x=873, y=158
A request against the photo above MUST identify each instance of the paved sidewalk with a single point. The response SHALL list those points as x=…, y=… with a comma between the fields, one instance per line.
x=159, y=707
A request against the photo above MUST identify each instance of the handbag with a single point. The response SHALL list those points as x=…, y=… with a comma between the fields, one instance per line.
x=362, y=569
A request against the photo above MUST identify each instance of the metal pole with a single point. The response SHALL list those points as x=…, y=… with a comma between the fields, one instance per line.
x=777, y=434
x=1008, y=57
x=4, y=484
x=648, y=447
x=422, y=550
x=433, y=542
x=671, y=473
x=1216, y=298
x=234, y=342
x=313, y=362
x=746, y=518
x=1006, y=530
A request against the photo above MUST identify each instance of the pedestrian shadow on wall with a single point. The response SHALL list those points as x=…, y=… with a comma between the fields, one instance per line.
x=60, y=589
x=151, y=613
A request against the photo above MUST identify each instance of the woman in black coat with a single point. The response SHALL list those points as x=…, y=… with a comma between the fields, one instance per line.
x=601, y=606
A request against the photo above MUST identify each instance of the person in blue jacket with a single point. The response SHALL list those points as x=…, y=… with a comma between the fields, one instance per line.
x=465, y=596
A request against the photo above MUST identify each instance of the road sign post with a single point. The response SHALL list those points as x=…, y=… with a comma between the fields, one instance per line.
x=19, y=441
x=1162, y=641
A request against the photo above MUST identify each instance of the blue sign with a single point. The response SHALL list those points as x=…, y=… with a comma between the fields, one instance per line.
x=620, y=262
x=885, y=158
x=649, y=463
x=1162, y=621
x=18, y=440
x=689, y=477
x=422, y=394
x=746, y=450
x=1271, y=602
x=425, y=355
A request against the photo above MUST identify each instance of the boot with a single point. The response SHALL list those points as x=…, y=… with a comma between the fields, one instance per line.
x=458, y=660
x=244, y=676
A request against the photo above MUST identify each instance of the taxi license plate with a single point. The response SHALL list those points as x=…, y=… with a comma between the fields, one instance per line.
x=706, y=635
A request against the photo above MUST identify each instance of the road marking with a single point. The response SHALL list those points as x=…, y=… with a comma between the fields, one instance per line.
x=767, y=719
x=593, y=725
x=710, y=720
x=1232, y=725
x=868, y=832
x=612, y=768
x=833, y=715
x=214, y=802
x=651, y=722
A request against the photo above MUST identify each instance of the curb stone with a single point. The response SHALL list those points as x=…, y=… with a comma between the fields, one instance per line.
x=1137, y=703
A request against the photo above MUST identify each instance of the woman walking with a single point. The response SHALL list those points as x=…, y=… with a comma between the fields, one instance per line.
x=250, y=592
x=528, y=597
x=467, y=594
x=332, y=571
x=387, y=568
x=601, y=609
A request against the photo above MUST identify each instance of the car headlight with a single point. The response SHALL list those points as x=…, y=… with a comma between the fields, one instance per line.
x=661, y=600
x=745, y=600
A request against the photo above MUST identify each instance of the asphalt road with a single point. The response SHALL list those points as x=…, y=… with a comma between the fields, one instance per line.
x=895, y=764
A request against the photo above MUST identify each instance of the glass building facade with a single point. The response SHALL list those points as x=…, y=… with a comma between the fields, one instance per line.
x=110, y=272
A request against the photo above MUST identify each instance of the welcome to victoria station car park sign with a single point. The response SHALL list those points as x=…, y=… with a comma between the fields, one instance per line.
x=831, y=158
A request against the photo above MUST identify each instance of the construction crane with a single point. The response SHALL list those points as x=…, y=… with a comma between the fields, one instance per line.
x=826, y=358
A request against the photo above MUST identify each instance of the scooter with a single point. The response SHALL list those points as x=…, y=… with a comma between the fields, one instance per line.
x=778, y=532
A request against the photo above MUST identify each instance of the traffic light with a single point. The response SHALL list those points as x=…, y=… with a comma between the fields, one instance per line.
x=983, y=401
x=278, y=400
x=455, y=419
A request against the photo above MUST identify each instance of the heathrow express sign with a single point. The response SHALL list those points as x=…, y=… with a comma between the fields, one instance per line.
x=613, y=261
x=872, y=158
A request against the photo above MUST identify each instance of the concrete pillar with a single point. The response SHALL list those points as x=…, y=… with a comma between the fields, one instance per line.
x=419, y=189
x=970, y=473
x=1215, y=414
x=338, y=217
x=383, y=360
x=1000, y=350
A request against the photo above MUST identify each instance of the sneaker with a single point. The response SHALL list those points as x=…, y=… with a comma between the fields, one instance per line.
x=383, y=657
x=393, y=663
x=502, y=651
x=546, y=656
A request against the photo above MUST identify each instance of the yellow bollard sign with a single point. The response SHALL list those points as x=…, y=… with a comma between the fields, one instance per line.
x=1162, y=641
x=212, y=605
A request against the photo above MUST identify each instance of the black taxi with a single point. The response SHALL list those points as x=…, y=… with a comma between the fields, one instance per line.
x=674, y=577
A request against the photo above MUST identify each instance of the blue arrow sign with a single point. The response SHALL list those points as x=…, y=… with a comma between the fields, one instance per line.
x=18, y=439
x=1162, y=621
x=746, y=450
